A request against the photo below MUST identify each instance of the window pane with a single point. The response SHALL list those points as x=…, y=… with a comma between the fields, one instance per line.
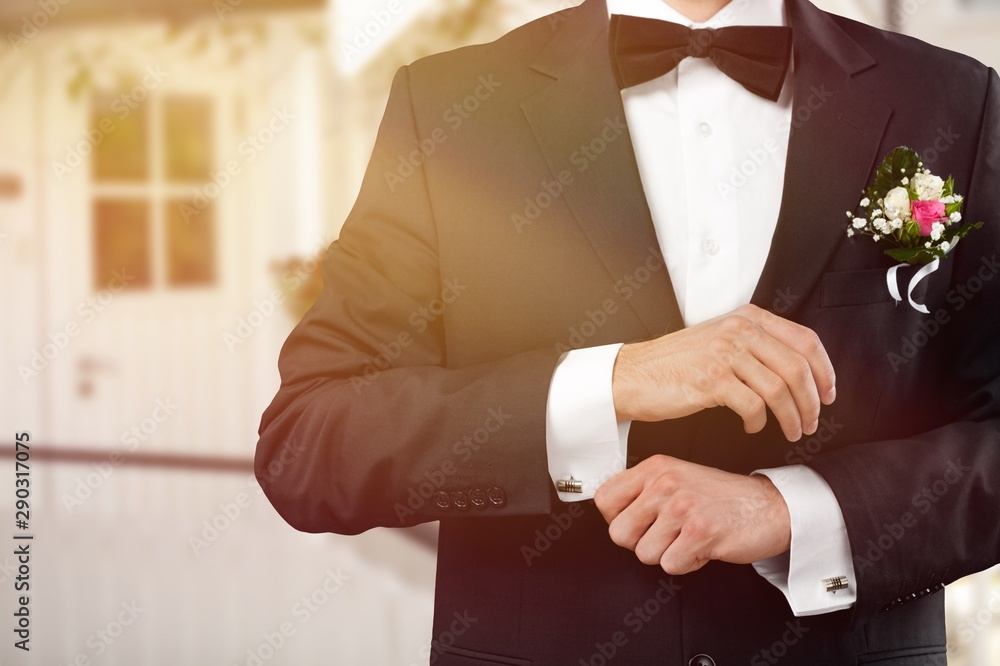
x=190, y=244
x=188, y=136
x=121, y=242
x=119, y=135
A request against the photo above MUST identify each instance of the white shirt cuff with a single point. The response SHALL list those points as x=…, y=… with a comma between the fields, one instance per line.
x=820, y=547
x=583, y=439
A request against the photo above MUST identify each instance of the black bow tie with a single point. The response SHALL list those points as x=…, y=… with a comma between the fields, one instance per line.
x=756, y=57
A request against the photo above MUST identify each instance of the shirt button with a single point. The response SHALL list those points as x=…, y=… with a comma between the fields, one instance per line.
x=710, y=247
x=705, y=129
x=701, y=660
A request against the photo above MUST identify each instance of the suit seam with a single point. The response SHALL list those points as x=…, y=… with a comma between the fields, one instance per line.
x=430, y=207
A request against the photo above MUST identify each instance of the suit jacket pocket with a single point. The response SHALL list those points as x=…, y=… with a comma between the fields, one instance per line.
x=457, y=656
x=866, y=287
x=923, y=656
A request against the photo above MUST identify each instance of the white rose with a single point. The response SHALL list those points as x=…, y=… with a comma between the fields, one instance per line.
x=897, y=204
x=928, y=187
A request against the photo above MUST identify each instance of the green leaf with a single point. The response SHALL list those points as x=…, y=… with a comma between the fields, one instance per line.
x=905, y=254
x=901, y=162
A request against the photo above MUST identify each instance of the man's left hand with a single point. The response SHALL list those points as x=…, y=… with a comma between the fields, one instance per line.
x=681, y=515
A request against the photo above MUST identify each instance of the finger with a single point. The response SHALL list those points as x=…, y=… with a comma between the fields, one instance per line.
x=740, y=398
x=629, y=527
x=775, y=392
x=795, y=372
x=684, y=555
x=657, y=539
x=618, y=492
x=806, y=342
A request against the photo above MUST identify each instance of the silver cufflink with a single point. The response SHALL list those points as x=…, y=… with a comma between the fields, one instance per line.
x=834, y=584
x=569, y=486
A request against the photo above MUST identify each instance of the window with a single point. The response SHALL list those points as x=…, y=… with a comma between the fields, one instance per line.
x=152, y=156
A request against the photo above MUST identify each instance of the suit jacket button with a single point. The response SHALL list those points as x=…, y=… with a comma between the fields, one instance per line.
x=441, y=500
x=497, y=496
x=459, y=500
x=701, y=660
x=477, y=497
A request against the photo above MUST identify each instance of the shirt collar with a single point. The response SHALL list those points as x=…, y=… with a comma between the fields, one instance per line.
x=737, y=12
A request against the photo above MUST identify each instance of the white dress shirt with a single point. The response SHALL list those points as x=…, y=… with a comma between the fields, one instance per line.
x=711, y=158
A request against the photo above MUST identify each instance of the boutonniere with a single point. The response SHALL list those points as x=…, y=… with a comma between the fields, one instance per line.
x=915, y=215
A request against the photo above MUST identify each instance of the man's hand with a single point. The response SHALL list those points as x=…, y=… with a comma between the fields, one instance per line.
x=681, y=515
x=747, y=360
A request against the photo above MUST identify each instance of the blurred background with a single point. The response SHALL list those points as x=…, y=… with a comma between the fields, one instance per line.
x=170, y=171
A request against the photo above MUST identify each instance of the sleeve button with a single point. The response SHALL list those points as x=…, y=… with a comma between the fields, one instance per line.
x=477, y=497
x=441, y=500
x=459, y=500
x=496, y=496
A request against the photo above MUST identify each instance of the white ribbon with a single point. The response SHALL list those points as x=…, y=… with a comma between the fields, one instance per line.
x=893, y=285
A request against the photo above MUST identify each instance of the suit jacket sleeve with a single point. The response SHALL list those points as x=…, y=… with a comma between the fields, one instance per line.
x=924, y=511
x=370, y=423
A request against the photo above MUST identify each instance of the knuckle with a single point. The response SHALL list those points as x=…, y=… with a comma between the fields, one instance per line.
x=800, y=369
x=665, y=484
x=699, y=528
x=740, y=326
x=774, y=388
x=682, y=502
x=618, y=532
x=716, y=372
x=756, y=407
x=810, y=339
x=647, y=554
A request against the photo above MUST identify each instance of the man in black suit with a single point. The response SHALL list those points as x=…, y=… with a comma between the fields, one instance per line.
x=532, y=204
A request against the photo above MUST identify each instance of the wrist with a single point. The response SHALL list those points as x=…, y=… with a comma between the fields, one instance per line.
x=778, y=516
x=622, y=385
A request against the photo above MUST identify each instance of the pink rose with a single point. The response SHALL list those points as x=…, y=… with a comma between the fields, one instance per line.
x=926, y=213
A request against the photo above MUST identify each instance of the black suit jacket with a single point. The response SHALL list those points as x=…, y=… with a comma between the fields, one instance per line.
x=502, y=221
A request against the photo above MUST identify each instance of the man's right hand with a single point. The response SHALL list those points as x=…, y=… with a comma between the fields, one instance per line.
x=748, y=360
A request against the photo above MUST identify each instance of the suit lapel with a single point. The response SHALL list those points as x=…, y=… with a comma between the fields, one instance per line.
x=832, y=150
x=579, y=122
